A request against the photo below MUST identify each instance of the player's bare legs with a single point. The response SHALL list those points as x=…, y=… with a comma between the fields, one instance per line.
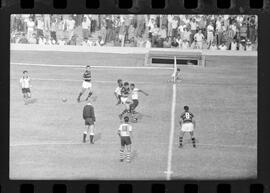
x=122, y=156
x=85, y=133
x=92, y=134
x=128, y=153
x=80, y=94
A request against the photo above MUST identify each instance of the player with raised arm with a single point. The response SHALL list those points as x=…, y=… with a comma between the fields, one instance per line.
x=125, y=91
x=187, y=124
x=86, y=85
x=117, y=91
x=135, y=97
x=89, y=120
x=125, y=134
x=25, y=85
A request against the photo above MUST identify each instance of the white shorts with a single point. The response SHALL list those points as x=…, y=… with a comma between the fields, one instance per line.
x=125, y=100
x=87, y=85
x=187, y=127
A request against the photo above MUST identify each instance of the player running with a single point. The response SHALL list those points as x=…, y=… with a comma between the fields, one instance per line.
x=176, y=75
x=117, y=91
x=135, y=97
x=89, y=120
x=86, y=85
x=25, y=85
x=125, y=133
x=187, y=124
x=125, y=91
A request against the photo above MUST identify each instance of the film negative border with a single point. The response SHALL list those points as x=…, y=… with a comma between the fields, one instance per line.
x=261, y=185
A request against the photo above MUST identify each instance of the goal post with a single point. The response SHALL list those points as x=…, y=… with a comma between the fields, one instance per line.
x=163, y=56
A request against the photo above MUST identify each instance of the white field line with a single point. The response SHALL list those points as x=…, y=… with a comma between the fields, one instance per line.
x=169, y=163
x=111, y=143
x=105, y=67
x=77, y=80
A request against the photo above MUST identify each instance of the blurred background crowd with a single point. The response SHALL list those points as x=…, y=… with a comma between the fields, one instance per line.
x=215, y=32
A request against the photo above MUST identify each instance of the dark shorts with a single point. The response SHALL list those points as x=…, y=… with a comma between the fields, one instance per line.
x=125, y=141
x=89, y=121
x=25, y=90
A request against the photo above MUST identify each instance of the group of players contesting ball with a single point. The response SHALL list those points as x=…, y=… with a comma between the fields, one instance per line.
x=127, y=95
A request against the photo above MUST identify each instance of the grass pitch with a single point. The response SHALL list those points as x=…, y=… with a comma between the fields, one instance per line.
x=46, y=135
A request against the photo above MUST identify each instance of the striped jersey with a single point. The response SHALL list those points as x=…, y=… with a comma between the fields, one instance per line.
x=187, y=117
x=124, y=92
x=125, y=130
x=25, y=82
x=87, y=76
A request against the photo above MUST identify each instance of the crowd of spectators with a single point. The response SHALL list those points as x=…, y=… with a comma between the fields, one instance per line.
x=223, y=32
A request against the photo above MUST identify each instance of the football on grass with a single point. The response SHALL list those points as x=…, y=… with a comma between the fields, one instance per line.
x=64, y=100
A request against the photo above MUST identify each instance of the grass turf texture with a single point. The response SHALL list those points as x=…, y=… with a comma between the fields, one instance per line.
x=46, y=135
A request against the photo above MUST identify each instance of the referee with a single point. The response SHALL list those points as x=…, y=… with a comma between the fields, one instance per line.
x=89, y=120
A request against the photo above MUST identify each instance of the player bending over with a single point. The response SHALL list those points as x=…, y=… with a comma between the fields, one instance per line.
x=125, y=133
x=176, y=75
x=187, y=124
x=25, y=85
x=117, y=92
x=89, y=120
x=135, y=97
x=125, y=91
x=86, y=85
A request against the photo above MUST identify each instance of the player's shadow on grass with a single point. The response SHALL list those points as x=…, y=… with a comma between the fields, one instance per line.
x=31, y=101
x=97, y=137
x=133, y=155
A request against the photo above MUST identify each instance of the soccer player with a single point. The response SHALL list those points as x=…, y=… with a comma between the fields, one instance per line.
x=89, y=119
x=25, y=85
x=187, y=124
x=117, y=91
x=86, y=85
x=125, y=91
x=176, y=75
x=135, y=97
x=125, y=133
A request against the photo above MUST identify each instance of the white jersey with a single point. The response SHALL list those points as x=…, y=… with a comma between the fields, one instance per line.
x=125, y=130
x=135, y=94
x=25, y=82
x=118, y=90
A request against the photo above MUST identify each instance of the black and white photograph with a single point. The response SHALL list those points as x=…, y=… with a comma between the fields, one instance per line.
x=133, y=97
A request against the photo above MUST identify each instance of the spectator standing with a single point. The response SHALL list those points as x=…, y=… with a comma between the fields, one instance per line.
x=193, y=28
x=60, y=26
x=40, y=26
x=122, y=34
x=86, y=27
x=199, y=37
x=210, y=34
x=131, y=32
x=53, y=29
x=174, y=26
x=155, y=34
x=162, y=33
x=70, y=25
x=30, y=28
x=47, y=22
